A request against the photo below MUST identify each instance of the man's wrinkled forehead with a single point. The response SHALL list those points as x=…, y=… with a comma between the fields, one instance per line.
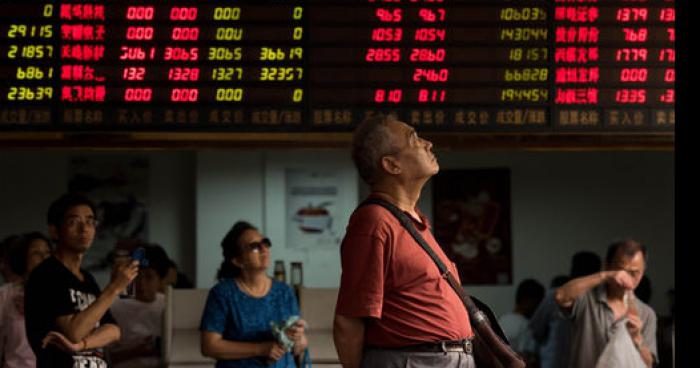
x=401, y=132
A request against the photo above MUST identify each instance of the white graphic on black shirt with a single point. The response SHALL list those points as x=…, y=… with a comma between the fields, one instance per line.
x=82, y=300
x=88, y=362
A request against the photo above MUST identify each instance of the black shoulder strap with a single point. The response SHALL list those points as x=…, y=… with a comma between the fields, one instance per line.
x=475, y=313
x=406, y=223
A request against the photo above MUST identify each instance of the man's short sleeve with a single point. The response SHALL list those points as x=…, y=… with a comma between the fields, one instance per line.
x=363, y=257
x=576, y=308
x=215, y=312
x=649, y=335
x=47, y=296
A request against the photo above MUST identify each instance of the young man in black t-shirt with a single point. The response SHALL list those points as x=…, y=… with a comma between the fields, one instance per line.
x=67, y=317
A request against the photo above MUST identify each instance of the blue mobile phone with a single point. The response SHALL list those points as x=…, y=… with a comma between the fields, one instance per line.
x=139, y=254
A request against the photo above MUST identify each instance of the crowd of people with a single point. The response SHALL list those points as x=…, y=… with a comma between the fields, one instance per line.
x=395, y=306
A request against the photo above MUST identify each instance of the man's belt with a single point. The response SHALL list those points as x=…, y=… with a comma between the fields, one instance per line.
x=460, y=346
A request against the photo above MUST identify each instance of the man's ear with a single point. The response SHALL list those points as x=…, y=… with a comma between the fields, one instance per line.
x=390, y=165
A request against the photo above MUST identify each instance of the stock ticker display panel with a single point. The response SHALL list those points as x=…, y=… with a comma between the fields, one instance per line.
x=318, y=65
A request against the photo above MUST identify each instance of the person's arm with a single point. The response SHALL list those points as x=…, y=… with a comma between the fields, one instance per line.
x=101, y=337
x=296, y=333
x=77, y=326
x=215, y=346
x=643, y=333
x=635, y=325
x=569, y=292
x=644, y=352
x=349, y=337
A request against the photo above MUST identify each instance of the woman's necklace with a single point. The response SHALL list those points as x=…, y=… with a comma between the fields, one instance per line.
x=252, y=290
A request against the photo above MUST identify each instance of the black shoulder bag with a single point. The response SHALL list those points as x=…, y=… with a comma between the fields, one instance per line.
x=490, y=350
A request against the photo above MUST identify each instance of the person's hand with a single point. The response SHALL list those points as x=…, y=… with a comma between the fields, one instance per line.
x=296, y=333
x=634, y=323
x=634, y=326
x=623, y=279
x=62, y=342
x=124, y=274
x=274, y=352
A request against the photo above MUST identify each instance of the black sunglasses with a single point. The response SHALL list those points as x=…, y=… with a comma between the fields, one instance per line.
x=258, y=245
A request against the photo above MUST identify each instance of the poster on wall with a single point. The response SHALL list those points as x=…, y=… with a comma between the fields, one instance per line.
x=312, y=202
x=472, y=223
x=119, y=188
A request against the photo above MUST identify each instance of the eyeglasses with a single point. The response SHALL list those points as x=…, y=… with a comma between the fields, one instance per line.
x=258, y=245
x=74, y=221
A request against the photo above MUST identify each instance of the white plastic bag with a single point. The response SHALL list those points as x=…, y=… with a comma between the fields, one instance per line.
x=620, y=351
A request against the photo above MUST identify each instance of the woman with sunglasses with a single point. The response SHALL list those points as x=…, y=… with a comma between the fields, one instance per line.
x=235, y=324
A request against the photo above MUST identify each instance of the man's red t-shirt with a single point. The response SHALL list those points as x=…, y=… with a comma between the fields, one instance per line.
x=388, y=277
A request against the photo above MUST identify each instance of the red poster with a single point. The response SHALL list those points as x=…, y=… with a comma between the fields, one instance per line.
x=471, y=210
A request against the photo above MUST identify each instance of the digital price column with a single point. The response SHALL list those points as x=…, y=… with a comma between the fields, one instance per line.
x=458, y=64
x=525, y=95
x=27, y=67
x=614, y=65
x=255, y=63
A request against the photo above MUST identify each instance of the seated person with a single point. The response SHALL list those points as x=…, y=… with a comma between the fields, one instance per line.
x=25, y=253
x=140, y=317
x=175, y=278
x=515, y=325
x=235, y=324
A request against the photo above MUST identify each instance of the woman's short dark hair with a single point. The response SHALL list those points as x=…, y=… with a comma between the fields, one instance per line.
x=17, y=254
x=59, y=208
x=231, y=248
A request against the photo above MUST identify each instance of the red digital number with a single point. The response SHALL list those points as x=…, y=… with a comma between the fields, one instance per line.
x=667, y=15
x=427, y=55
x=184, y=95
x=383, y=55
x=634, y=75
x=390, y=95
x=632, y=14
x=430, y=75
x=431, y=95
x=670, y=75
x=138, y=94
x=631, y=96
x=389, y=15
x=139, y=33
x=185, y=33
x=134, y=73
x=181, y=54
x=628, y=54
x=669, y=96
x=430, y=34
x=432, y=15
x=387, y=34
x=183, y=74
x=638, y=35
x=139, y=13
x=178, y=13
x=667, y=55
